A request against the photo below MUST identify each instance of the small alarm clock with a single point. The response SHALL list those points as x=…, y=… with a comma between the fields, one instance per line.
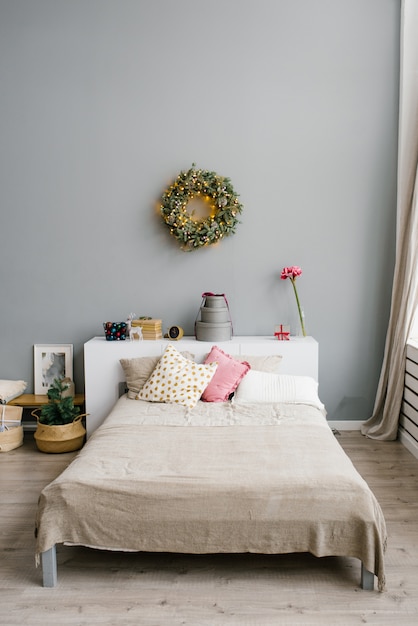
x=175, y=333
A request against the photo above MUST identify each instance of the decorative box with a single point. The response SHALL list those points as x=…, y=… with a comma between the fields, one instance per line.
x=115, y=331
x=215, y=322
x=282, y=332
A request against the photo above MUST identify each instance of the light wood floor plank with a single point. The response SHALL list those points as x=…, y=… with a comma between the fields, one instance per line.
x=96, y=587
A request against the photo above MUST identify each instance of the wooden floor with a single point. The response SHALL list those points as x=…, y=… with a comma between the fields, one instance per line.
x=104, y=588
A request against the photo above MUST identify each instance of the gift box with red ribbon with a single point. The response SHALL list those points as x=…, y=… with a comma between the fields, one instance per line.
x=282, y=332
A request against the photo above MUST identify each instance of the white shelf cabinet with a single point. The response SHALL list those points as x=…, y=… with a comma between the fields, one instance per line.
x=103, y=372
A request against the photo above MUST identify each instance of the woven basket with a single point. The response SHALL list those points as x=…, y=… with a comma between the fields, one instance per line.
x=11, y=438
x=57, y=439
x=12, y=435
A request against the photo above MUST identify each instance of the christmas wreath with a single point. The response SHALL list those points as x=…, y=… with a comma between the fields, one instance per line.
x=191, y=232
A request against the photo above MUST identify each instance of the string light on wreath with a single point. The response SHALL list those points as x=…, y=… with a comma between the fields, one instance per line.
x=217, y=192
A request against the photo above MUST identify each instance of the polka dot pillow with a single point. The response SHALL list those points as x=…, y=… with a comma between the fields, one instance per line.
x=177, y=380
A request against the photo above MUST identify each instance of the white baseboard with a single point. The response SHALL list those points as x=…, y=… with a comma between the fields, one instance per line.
x=409, y=442
x=346, y=424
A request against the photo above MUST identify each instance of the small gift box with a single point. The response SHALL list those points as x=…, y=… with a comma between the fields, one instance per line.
x=282, y=332
x=115, y=331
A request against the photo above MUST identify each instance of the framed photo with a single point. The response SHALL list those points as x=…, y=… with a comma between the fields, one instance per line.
x=51, y=361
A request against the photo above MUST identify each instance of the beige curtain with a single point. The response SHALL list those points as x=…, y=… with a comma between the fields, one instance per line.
x=384, y=422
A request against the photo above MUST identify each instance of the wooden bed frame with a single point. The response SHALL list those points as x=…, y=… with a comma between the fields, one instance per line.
x=103, y=379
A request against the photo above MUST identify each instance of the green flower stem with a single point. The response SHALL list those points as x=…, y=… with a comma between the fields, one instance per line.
x=299, y=309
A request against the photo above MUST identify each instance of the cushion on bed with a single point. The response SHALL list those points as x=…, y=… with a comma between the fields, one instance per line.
x=138, y=370
x=262, y=363
x=176, y=379
x=227, y=376
x=267, y=387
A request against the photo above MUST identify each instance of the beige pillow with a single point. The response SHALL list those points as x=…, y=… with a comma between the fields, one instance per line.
x=138, y=370
x=177, y=380
x=262, y=363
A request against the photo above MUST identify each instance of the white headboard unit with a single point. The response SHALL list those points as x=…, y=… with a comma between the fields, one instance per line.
x=103, y=372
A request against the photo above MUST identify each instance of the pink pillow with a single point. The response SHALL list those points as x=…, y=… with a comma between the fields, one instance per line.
x=226, y=378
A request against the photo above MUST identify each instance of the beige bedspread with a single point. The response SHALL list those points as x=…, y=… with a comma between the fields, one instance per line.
x=265, y=478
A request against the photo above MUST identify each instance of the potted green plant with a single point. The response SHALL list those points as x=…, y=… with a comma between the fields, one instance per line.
x=59, y=423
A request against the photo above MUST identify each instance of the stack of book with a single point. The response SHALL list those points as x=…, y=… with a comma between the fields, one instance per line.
x=151, y=328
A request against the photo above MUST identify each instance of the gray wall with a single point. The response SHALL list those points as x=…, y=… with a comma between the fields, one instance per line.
x=103, y=102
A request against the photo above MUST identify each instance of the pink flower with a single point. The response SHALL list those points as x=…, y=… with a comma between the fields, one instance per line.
x=293, y=272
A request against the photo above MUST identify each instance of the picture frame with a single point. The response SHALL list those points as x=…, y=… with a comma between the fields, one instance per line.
x=51, y=361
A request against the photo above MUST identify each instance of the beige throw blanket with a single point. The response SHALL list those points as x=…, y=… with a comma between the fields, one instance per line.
x=280, y=484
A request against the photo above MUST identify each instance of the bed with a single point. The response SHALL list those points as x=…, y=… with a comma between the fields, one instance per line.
x=258, y=471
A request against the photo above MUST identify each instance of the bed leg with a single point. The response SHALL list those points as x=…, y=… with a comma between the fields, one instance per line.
x=49, y=567
x=367, y=579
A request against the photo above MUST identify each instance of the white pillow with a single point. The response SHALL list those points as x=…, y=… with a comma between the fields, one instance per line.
x=267, y=387
x=177, y=380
